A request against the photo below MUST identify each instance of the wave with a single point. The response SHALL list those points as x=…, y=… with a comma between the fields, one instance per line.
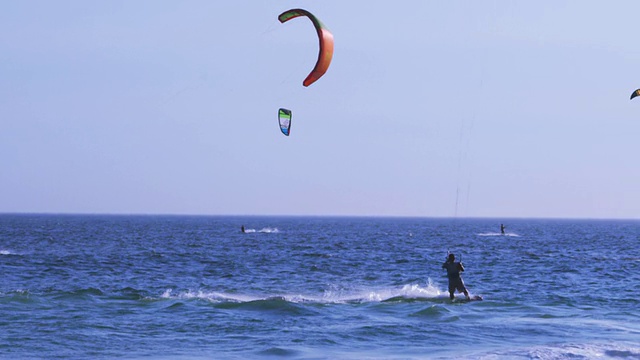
x=273, y=304
x=498, y=234
x=7, y=252
x=206, y=295
x=19, y=292
x=279, y=352
x=276, y=304
x=266, y=230
x=129, y=293
x=404, y=293
x=80, y=294
x=568, y=351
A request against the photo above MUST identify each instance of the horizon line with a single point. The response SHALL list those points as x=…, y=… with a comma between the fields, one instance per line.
x=316, y=216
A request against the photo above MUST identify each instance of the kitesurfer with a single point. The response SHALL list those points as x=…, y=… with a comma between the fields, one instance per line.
x=242, y=228
x=502, y=228
x=455, y=280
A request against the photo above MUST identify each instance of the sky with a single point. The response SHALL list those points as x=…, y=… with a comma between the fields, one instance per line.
x=502, y=109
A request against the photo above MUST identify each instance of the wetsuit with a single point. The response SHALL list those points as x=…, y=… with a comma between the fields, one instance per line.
x=453, y=273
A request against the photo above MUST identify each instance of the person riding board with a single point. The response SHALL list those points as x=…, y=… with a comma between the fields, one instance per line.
x=455, y=280
x=502, y=228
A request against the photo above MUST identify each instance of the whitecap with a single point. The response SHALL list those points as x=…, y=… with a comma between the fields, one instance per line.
x=343, y=296
x=407, y=291
x=498, y=234
x=206, y=295
x=266, y=230
x=567, y=351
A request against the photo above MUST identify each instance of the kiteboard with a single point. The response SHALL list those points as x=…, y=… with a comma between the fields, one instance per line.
x=472, y=298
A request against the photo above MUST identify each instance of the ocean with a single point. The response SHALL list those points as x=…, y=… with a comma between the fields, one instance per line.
x=196, y=287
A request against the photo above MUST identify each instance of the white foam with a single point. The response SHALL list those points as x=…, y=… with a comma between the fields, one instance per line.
x=409, y=291
x=568, y=351
x=266, y=230
x=8, y=252
x=207, y=295
x=498, y=234
x=412, y=291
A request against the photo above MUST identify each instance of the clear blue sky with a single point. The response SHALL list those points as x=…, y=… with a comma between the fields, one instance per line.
x=429, y=108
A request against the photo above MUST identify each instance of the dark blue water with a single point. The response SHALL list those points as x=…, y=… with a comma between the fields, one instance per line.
x=106, y=287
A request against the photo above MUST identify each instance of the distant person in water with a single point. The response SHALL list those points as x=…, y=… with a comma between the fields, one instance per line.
x=502, y=228
x=455, y=280
x=242, y=228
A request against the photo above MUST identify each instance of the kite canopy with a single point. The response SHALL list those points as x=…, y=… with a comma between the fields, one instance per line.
x=326, y=43
x=284, y=119
x=634, y=94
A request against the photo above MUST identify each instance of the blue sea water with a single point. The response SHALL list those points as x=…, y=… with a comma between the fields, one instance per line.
x=181, y=287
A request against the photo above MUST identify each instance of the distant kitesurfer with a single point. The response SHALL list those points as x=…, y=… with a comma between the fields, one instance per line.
x=242, y=228
x=455, y=280
x=502, y=228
